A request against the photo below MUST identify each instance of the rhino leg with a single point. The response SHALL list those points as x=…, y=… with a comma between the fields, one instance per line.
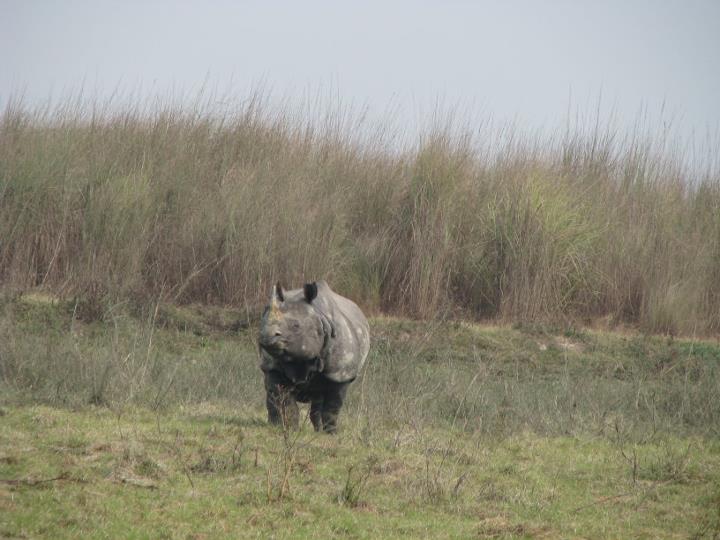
x=316, y=413
x=332, y=403
x=281, y=405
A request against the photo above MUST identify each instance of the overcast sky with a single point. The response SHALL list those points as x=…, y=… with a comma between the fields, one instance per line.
x=515, y=60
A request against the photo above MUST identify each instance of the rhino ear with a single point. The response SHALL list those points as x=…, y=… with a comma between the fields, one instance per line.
x=278, y=294
x=310, y=290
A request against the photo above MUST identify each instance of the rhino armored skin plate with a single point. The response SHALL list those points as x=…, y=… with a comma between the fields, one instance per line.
x=313, y=343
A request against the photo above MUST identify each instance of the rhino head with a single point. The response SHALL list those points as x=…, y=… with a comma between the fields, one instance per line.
x=292, y=329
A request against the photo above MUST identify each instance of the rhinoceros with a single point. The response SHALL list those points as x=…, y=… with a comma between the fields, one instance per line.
x=313, y=343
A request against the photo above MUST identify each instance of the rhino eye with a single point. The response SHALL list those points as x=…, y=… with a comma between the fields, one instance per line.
x=295, y=325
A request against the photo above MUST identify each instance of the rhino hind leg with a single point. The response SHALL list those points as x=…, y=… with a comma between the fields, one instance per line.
x=281, y=405
x=334, y=396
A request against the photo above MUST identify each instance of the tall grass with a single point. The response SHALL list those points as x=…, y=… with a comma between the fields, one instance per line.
x=186, y=204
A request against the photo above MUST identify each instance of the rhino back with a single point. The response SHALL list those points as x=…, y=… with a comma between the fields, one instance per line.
x=349, y=348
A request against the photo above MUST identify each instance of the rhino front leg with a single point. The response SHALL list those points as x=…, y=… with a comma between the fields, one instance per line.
x=281, y=405
x=316, y=407
x=332, y=403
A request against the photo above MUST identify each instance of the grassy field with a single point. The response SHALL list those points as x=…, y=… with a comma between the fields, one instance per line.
x=131, y=405
x=149, y=423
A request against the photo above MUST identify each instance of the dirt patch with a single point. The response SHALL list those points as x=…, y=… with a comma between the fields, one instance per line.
x=501, y=527
x=568, y=345
x=9, y=460
x=135, y=481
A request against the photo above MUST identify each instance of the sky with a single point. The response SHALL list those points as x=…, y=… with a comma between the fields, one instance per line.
x=529, y=62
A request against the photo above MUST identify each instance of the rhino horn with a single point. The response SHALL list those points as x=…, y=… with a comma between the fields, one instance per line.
x=277, y=295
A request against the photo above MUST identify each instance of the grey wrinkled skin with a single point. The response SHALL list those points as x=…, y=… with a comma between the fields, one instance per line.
x=313, y=343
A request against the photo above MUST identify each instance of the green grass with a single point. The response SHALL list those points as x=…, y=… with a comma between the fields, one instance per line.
x=151, y=425
x=205, y=470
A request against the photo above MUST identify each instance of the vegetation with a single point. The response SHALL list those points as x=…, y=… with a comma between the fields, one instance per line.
x=144, y=203
x=137, y=244
x=152, y=424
